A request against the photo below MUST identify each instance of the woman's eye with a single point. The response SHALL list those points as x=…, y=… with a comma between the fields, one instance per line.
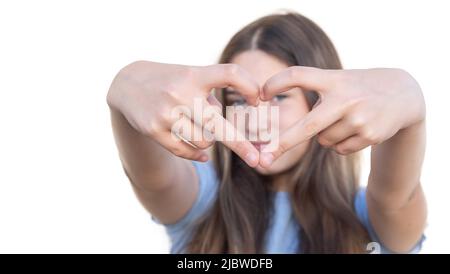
x=279, y=98
x=238, y=102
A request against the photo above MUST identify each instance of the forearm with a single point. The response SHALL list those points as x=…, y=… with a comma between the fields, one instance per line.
x=396, y=167
x=147, y=164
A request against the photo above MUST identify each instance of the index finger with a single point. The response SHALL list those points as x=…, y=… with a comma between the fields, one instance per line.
x=308, y=78
x=226, y=133
x=225, y=75
x=321, y=117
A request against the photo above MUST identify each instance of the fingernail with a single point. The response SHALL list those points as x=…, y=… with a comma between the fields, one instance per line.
x=203, y=158
x=251, y=157
x=266, y=159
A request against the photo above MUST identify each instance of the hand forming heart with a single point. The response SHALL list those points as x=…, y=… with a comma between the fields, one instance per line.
x=357, y=108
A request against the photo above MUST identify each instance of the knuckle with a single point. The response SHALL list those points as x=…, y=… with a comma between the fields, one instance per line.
x=150, y=129
x=340, y=76
x=231, y=70
x=350, y=102
x=356, y=121
x=171, y=91
x=342, y=150
x=293, y=72
x=311, y=128
x=323, y=141
x=167, y=118
x=369, y=135
x=187, y=72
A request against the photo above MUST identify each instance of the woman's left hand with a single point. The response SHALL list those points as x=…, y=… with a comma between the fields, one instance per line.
x=357, y=108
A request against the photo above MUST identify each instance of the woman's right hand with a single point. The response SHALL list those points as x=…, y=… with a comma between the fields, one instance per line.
x=145, y=93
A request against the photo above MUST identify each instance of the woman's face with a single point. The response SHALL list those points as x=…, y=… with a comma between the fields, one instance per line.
x=292, y=105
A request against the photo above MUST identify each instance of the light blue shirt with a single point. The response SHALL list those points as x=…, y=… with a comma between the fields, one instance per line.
x=282, y=235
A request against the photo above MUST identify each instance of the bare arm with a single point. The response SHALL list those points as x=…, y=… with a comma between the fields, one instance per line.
x=382, y=108
x=165, y=184
x=396, y=202
x=142, y=98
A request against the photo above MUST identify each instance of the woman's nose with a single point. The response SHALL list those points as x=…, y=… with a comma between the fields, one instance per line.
x=260, y=122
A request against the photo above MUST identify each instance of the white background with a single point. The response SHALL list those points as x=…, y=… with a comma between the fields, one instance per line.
x=62, y=188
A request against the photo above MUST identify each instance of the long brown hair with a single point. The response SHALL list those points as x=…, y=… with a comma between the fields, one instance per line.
x=323, y=183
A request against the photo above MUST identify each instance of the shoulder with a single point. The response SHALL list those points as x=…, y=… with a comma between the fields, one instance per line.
x=181, y=231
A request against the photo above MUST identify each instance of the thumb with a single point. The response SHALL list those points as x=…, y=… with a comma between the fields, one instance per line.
x=308, y=78
x=225, y=75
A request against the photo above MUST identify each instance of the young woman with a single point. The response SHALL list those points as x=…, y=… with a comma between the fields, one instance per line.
x=304, y=196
